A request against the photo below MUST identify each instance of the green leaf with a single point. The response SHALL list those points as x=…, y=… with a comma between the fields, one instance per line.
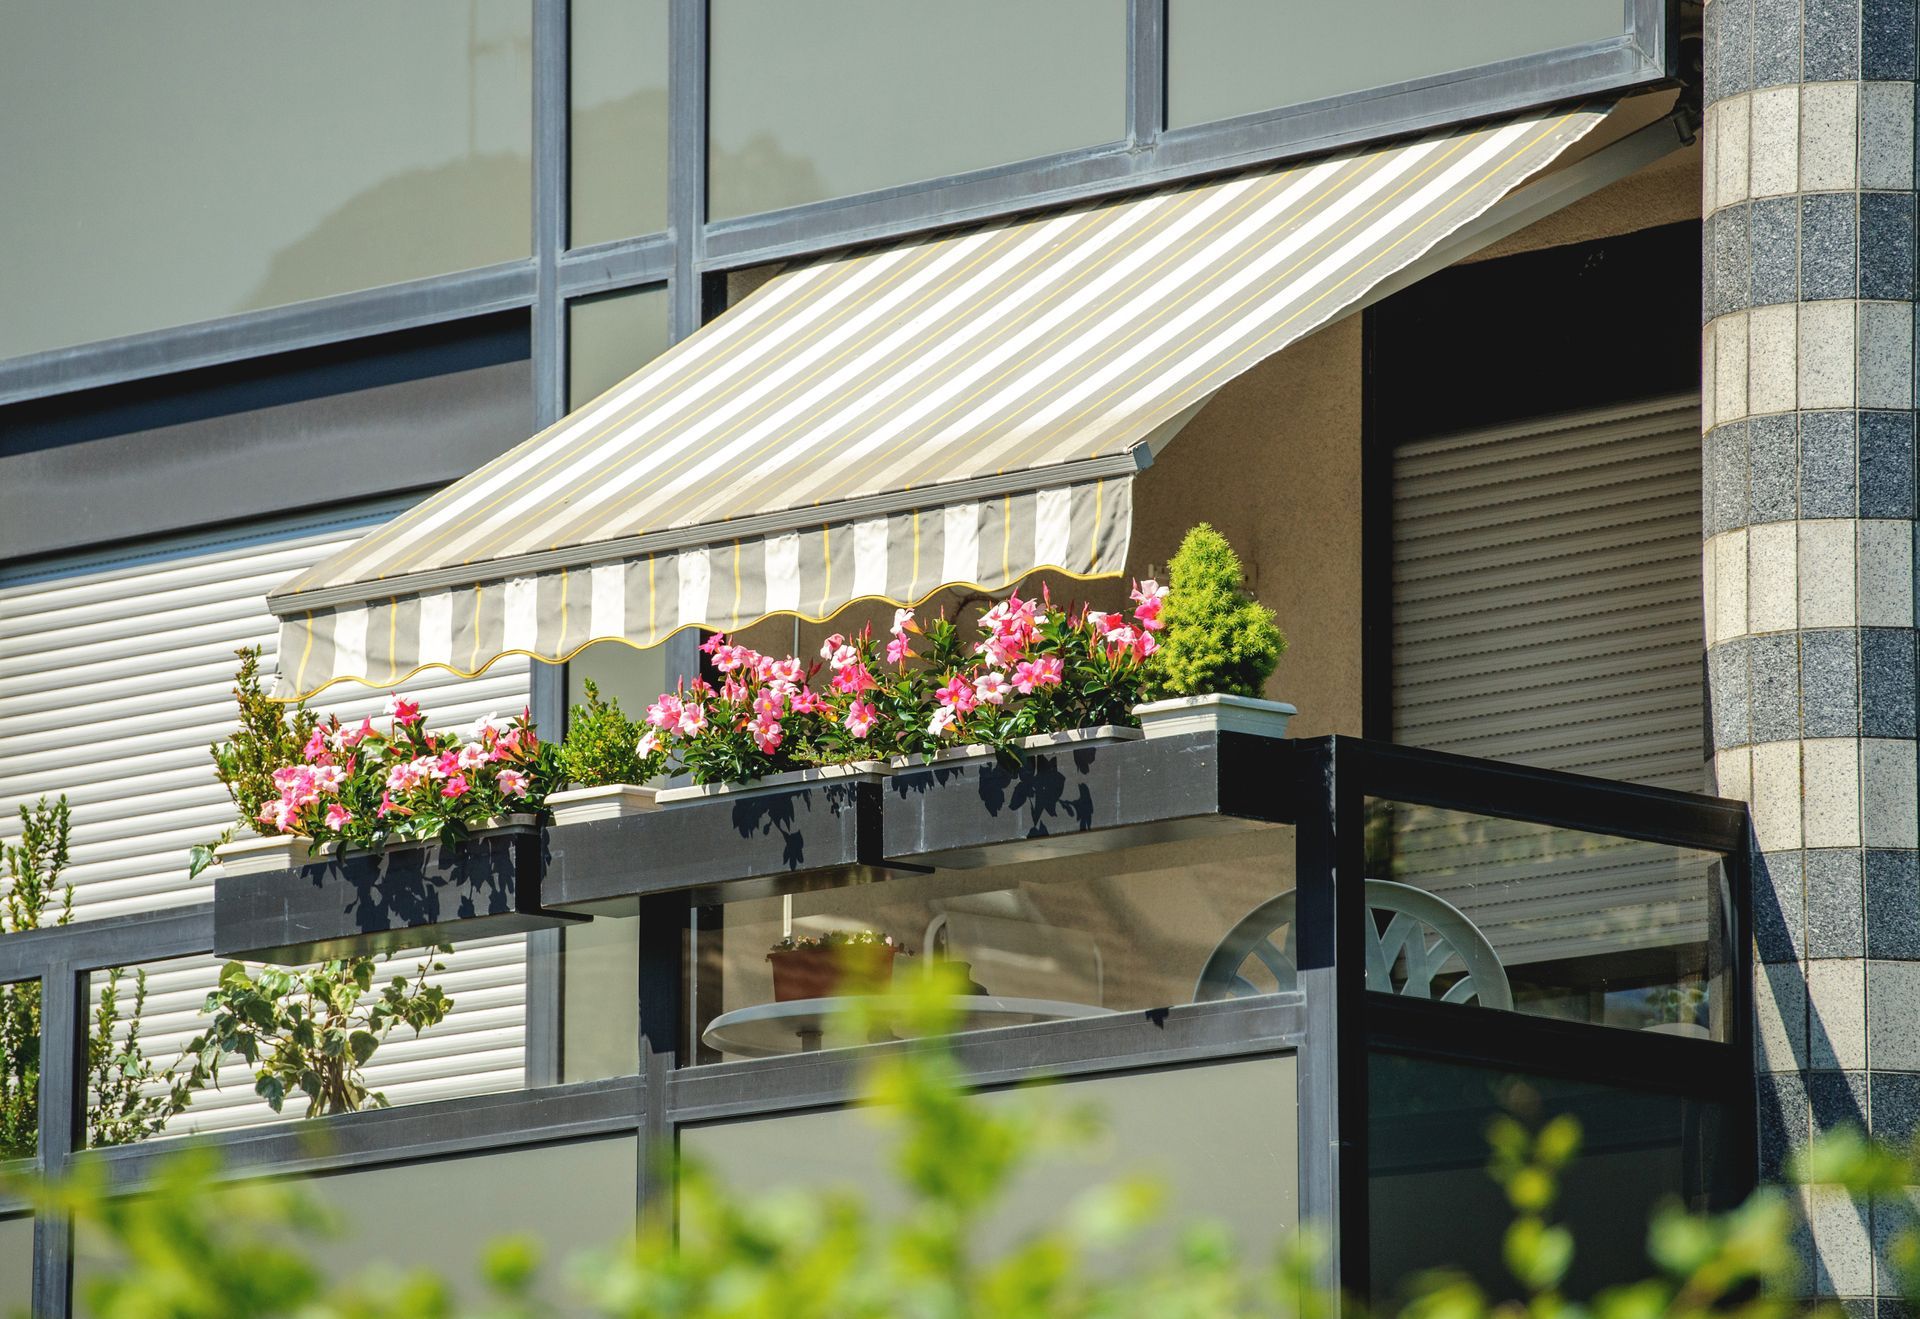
x=362, y=1044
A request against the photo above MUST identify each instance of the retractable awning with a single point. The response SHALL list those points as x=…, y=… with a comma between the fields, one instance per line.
x=958, y=411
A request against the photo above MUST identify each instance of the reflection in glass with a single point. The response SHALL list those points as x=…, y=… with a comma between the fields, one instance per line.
x=1556, y=922
x=175, y=165
x=1042, y=940
x=565, y=1197
x=618, y=85
x=810, y=101
x=16, y=1264
x=609, y=338
x=1239, y=1167
x=1432, y=1205
x=20, y=1003
x=1234, y=57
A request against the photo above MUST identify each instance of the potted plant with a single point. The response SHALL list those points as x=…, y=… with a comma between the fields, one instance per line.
x=838, y=962
x=269, y=736
x=1218, y=648
x=601, y=762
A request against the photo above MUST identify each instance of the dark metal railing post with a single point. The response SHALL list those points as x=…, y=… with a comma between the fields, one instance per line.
x=63, y=998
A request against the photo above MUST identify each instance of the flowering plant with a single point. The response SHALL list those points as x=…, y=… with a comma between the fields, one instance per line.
x=369, y=785
x=834, y=939
x=1032, y=668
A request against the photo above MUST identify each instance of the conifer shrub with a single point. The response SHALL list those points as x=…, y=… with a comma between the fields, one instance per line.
x=1218, y=639
x=602, y=745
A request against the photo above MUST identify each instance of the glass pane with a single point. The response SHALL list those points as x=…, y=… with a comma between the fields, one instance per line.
x=1240, y=1167
x=478, y=1047
x=619, y=91
x=1043, y=940
x=565, y=1197
x=810, y=101
x=611, y=337
x=169, y=167
x=19, y=1070
x=1431, y=1203
x=16, y=1264
x=1552, y=922
x=1234, y=57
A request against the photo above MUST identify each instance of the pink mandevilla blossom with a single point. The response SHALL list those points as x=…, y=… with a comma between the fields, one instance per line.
x=649, y=742
x=733, y=690
x=316, y=745
x=456, y=786
x=853, y=680
x=1031, y=675
x=512, y=783
x=808, y=701
x=899, y=650
x=844, y=657
x=665, y=712
x=767, y=735
x=403, y=710
x=902, y=620
x=789, y=670
x=957, y=695
x=473, y=756
x=337, y=816
x=942, y=720
x=831, y=644
x=860, y=718
x=693, y=719
x=991, y=688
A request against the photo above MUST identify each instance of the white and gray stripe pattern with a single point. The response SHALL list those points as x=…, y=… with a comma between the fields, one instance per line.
x=965, y=409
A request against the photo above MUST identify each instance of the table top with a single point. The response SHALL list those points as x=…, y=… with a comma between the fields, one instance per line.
x=768, y=1030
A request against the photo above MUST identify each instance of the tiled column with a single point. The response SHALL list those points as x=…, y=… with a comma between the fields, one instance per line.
x=1808, y=409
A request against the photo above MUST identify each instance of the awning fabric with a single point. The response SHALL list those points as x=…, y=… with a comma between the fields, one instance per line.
x=957, y=411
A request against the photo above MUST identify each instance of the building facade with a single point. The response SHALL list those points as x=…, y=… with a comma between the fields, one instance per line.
x=1586, y=369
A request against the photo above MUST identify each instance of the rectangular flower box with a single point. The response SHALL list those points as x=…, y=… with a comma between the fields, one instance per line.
x=855, y=771
x=1100, y=735
x=255, y=854
x=609, y=802
x=408, y=896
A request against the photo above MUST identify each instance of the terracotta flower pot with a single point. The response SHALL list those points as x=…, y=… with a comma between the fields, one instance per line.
x=823, y=972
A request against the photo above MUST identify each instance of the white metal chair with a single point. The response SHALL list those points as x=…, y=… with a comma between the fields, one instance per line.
x=1424, y=936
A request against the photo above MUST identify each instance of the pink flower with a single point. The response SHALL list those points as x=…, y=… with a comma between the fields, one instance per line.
x=991, y=688
x=1030, y=675
x=512, y=783
x=942, y=720
x=788, y=670
x=472, y=756
x=844, y=657
x=1146, y=645
x=860, y=718
x=770, y=703
x=388, y=806
x=1099, y=620
x=665, y=712
x=316, y=746
x=957, y=695
x=713, y=644
x=448, y=763
x=902, y=620
x=649, y=742
x=733, y=690
x=402, y=710
x=693, y=719
x=808, y=701
x=767, y=735
x=456, y=787
x=349, y=738
x=337, y=816
x=899, y=650
x=853, y=680
x=830, y=645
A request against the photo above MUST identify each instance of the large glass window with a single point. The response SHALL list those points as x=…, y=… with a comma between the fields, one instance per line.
x=1235, y=57
x=619, y=91
x=1238, y=1168
x=1431, y=1204
x=170, y=166
x=1044, y=940
x=826, y=99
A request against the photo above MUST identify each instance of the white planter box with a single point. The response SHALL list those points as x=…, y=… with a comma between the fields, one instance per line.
x=856, y=771
x=610, y=802
x=1101, y=735
x=1214, y=714
x=257, y=854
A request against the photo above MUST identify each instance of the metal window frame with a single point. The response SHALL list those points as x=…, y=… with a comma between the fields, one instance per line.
x=693, y=251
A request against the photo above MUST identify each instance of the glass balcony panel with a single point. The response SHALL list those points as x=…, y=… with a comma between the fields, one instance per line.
x=16, y=1264
x=1240, y=1167
x=1235, y=57
x=1551, y=922
x=19, y=1071
x=812, y=101
x=618, y=85
x=1040, y=940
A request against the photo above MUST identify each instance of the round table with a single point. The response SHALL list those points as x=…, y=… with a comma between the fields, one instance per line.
x=768, y=1030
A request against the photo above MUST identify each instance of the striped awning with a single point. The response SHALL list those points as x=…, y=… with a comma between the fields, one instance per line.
x=964, y=410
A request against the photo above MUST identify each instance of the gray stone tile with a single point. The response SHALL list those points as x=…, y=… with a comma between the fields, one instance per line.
x=1775, y=35
x=1837, y=1099
x=1885, y=376
x=1727, y=694
x=1773, y=468
x=1893, y=1215
x=1886, y=40
x=1773, y=686
x=1883, y=1308
x=1829, y=242
x=1779, y=906
x=1828, y=465
x=1893, y=905
x=1829, y=686
x=1725, y=478
x=1886, y=245
x=1887, y=706
x=1893, y=1016
x=1784, y=1117
x=1773, y=225
x=1730, y=62
x=1837, y=1013
x=1835, y=909
x=1842, y=1245
x=1895, y=1097
x=1886, y=136
x=1726, y=277
x=1832, y=34
x=1886, y=465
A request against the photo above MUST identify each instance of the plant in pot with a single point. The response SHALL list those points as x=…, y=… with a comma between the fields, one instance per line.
x=269, y=735
x=1217, y=648
x=838, y=962
x=601, y=762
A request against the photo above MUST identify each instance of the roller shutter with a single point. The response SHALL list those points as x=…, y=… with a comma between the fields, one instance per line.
x=115, y=676
x=1547, y=611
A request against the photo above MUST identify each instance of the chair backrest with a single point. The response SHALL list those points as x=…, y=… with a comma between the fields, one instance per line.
x=1423, y=935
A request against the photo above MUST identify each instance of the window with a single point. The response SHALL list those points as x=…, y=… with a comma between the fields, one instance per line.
x=618, y=85
x=611, y=337
x=836, y=97
x=165, y=168
x=1235, y=57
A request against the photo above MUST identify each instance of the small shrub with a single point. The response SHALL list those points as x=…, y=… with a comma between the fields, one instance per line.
x=601, y=746
x=1218, y=638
